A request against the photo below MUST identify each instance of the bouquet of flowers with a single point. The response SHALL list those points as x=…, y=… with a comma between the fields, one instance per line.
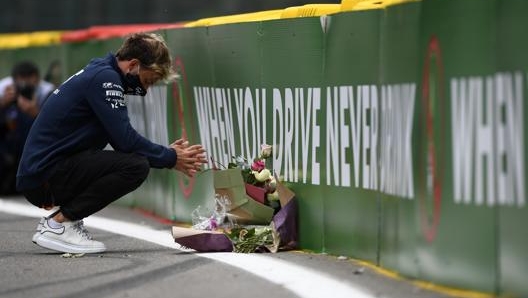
x=245, y=194
x=211, y=232
x=260, y=183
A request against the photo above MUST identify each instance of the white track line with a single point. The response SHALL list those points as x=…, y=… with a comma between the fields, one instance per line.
x=304, y=282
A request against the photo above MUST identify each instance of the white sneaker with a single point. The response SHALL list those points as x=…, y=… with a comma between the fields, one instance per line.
x=72, y=237
x=40, y=225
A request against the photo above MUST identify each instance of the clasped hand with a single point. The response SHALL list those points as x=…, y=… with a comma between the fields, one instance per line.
x=189, y=159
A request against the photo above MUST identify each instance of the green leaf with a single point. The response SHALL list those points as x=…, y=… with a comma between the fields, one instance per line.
x=251, y=233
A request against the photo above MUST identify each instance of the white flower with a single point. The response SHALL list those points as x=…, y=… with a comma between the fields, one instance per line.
x=265, y=150
x=263, y=175
x=241, y=162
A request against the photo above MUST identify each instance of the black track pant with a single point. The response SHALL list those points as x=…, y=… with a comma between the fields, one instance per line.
x=88, y=181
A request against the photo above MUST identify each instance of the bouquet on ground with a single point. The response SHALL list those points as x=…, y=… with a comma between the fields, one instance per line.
x=212, y=231
x=246, y=195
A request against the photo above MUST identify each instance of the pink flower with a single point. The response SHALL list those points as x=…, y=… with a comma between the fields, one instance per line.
x=258, y=165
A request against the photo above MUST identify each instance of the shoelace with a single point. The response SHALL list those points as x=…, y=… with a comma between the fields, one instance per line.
x=79, y=227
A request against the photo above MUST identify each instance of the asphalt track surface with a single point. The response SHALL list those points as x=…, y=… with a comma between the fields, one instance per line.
x=137, y=268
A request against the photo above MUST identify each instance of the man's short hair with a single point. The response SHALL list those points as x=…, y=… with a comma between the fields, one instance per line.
x=24, y=69
x=151, y=51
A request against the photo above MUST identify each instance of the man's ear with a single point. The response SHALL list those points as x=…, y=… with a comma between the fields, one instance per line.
x=134, y=62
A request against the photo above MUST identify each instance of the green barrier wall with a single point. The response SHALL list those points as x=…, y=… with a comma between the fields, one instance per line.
x=401, y=130
x=511, y=239
x=399, y=234
x=455, y=55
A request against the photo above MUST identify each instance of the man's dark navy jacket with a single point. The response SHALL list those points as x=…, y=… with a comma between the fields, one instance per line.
x=86, y=112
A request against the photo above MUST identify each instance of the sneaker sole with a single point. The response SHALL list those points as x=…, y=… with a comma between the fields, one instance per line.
x=53, y=244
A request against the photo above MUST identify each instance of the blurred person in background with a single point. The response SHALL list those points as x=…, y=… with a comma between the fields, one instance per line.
x=54, y=73
x=64, y=163
x=21, y=97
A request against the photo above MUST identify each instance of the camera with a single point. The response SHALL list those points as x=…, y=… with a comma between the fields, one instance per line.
x=26, y=90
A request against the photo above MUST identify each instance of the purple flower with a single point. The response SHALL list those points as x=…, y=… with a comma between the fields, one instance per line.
x=258, y=165
x=213, y=225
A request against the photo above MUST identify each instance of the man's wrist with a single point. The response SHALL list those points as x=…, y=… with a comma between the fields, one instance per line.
x=175, y=157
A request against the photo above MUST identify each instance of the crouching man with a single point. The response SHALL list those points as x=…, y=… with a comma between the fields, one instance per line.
x=63, y=163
